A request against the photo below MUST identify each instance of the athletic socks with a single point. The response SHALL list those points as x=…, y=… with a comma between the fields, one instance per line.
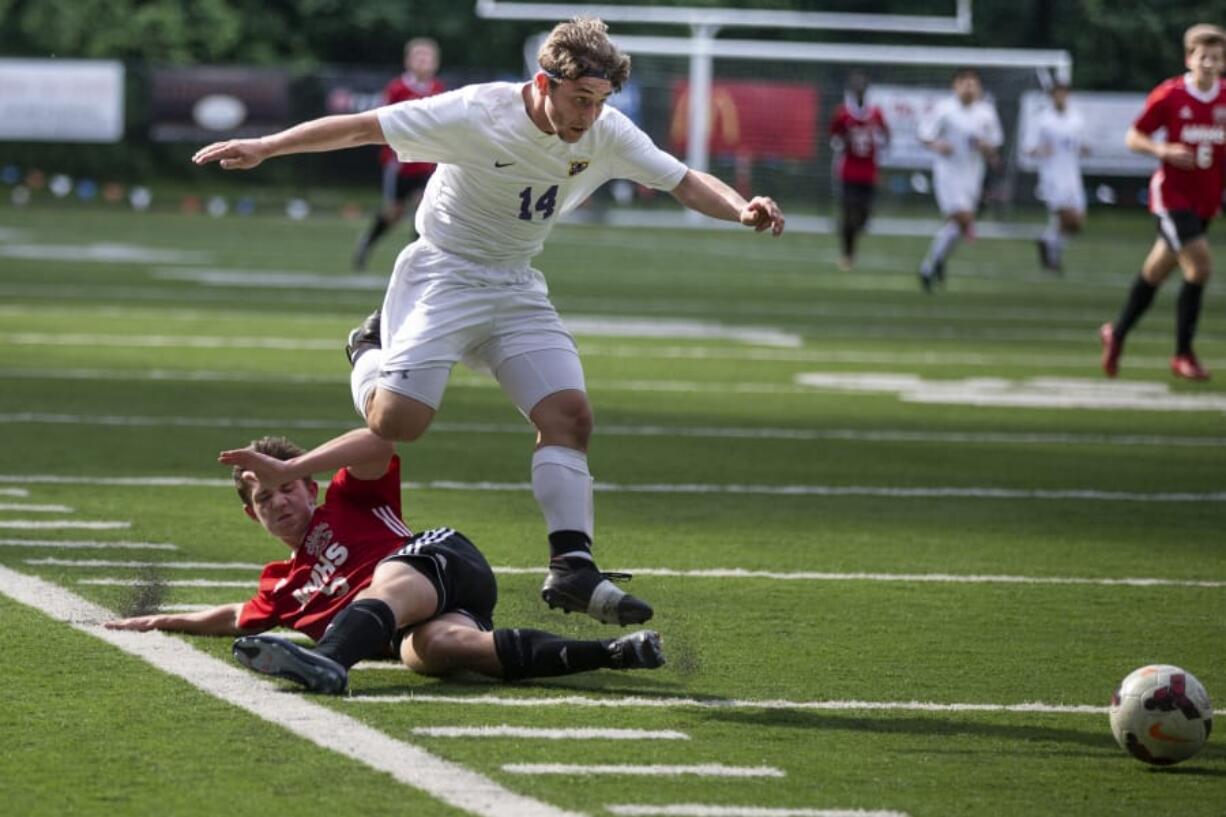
x=376, y=229
x=1139, y=298
x=942, y=245
x=848, y=236
x=1053, y=237
x=525, y=653
x=1187, y=313
x=364, y=629
x=364, y=378
x=562, y=486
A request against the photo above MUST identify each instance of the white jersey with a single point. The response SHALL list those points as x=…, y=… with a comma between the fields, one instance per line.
x=1057, y=138
x=501, y=183
x=965, y=128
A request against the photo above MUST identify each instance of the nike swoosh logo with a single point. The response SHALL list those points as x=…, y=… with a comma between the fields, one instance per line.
x=502, y=164
x=1155, y=732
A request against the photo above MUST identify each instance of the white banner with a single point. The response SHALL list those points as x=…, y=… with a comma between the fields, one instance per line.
x=61, y=100
x=1106, y=118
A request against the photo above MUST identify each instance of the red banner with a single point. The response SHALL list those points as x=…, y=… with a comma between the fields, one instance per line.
x=753, y=119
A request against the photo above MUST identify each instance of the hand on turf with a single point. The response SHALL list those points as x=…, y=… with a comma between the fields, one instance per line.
x=235, y=154
x=141, y=624
x=257, y=467
x=762, y=213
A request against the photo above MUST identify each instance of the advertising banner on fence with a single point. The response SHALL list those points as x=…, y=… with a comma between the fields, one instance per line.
x=208, y=103
x=1106, y=118
x=61, y=100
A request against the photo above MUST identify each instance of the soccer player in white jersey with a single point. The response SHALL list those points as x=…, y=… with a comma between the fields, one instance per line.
x=964, y=134
x=512, y=159
x=1056, y=141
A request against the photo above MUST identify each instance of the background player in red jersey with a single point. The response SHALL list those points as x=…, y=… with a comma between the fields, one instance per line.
x=857, y=131
x=402, y=181
x=361, y=584
x=1185, y=193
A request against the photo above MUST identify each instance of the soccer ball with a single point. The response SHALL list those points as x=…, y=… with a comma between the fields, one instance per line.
x=1161, y=714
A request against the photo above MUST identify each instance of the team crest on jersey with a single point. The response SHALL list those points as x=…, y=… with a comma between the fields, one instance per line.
x=319, y=539
x=1185, y=112
x=578, y=167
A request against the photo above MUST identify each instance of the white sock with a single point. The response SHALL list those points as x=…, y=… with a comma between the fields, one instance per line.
x=1054, y=238
x=562, y=486
x=942, y=244
x=364, y=378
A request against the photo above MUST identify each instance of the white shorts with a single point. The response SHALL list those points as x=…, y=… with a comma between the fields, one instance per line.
x=1062, y=193
x=441, y=309
x=957, y=193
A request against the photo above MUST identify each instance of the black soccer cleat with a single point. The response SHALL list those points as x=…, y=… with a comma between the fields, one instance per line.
x=364, y=337
x=576, y=586
x=640, y=650
x=284, y=659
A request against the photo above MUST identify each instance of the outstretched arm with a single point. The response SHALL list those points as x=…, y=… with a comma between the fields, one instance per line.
x=363, y=452
x=315, y=136
x=221, y=620
x=708, y=195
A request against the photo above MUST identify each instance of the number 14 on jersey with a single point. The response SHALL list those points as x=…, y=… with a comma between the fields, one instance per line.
x=544, y=205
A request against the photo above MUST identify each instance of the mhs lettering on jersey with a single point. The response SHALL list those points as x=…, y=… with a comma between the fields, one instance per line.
x=329, y=561
x=1203, y=134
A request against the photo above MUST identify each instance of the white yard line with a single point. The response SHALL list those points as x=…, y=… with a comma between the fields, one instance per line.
x=54, y=562
x=523, y=732
x=60, y=524
x=702, y=432
x=632, y=702
x=90, y=544
x=708, y=573
x=705, y=810
x=892, y=492
x=32, y=508
x=20, y=493
x=628, y=769
x=448, y=782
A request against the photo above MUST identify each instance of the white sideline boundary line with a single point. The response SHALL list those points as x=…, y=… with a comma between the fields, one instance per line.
x=700, y=573
x=523, y=732
x=32, y=508
x=635, y=770
x=411, y=765
x=89, y=544
x=60, y=524
x=631, y=702
x=730, y=432
x=703, y=810
x=892, y=492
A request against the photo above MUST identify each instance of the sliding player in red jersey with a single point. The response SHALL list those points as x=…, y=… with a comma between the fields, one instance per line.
x=1184, y=194
x=362, y=585
x=858, y=131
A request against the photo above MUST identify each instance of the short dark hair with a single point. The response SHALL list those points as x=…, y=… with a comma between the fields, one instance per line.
x=1203, y=34
x=966, y=71
x=276, y=447
x=580, y=48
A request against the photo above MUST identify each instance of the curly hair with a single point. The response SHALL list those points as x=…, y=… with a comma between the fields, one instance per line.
x=1203, y=34
x=581, y=47
x=277, y=447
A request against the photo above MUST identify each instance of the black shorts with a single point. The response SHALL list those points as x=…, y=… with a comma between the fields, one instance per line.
x=459, y=572
x=1179, y=227
x=398, y=188
x=858, y=194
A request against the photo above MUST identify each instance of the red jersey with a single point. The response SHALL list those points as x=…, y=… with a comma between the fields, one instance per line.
x=402, y=89
x=862, y=130
x=1196, y=119
x=352, y=531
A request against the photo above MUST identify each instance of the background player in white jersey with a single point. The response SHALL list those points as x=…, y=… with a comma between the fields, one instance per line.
x=1056, y=140
x=964, y=134
x=512, y=158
